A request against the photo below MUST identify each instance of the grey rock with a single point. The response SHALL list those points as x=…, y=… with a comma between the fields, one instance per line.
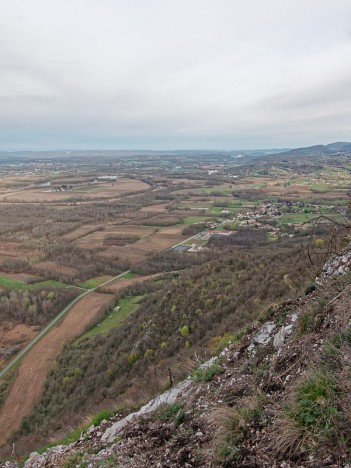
x=167, y=397
x=279, y=338
x=264, y=334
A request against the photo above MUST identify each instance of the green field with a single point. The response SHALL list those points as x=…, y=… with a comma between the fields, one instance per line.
x=230, y=226
x=195, y=241
x=213, y=191
x=197, y=219
x=296, y=218
x=11, y=283
x=15, y=284
x=218, y=209
x=94, y=282
x=127, y=275
x=49, y=283
x=245, y=202
x=115, y=318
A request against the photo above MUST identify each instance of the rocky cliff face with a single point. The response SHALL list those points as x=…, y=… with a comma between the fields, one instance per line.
x=278, y=397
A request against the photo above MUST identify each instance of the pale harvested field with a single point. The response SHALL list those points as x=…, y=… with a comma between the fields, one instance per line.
x=80, y=232
x=9, y=180
x=102, y=190
x=172, y=230
x=88, y=229
x=138, y=252
x=305, y=191
x=97, y=238
x=120, y=284
x=160, y=208
x=36, y=364
x=131, y=229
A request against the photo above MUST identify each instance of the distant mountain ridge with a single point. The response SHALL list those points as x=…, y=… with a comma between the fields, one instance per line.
x=257, y=154
x=331, y=148
x=340, y=146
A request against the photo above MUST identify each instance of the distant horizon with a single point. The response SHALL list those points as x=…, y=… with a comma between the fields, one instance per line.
x=170, y=149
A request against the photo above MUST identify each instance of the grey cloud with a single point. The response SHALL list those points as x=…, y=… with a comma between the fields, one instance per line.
x=198, y=73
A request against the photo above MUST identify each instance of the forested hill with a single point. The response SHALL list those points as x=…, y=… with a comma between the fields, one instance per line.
x=277, y=395
x=181, y=320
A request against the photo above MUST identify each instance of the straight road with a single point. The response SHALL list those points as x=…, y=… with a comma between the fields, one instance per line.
x=58, y=317
x=54, y=322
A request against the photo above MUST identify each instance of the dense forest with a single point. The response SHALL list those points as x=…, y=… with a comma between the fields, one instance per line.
x=34, y=307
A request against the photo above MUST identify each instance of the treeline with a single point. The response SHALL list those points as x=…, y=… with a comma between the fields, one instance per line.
x=172, y=261
x=85, y=263
x=249, y=194
x=193, y=229
x=34, y=307
x=163, y=221
x=176, y=319
x=120, y=239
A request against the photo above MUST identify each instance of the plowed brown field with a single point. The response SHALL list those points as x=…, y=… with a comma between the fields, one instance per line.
x=119, y=284
x=101, y=190
x=36, y=364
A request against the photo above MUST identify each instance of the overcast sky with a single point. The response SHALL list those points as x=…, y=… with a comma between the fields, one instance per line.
x=173, y=74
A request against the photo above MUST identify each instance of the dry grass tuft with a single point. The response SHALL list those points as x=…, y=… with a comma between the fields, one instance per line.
x=231, y=426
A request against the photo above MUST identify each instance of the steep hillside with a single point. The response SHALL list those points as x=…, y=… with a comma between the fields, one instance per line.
x=276, y=395
x=179, y=322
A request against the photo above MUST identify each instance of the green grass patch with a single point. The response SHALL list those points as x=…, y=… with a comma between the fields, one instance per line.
x=48, y=283
x=220, y=342
x=296, y=218
x=195, y=241
x=315, y=406
x=103, y=414
x=206, y=374
x=170, y=411
x=218, y=209
x=214, y=191
x=69, y=439
x=11, y=283
x=167, y=411
x=196, y=219
x=228, y=226
x=115, y=317
x=128, y=275
x=15, y=284
x=95, y=282
x=88, y=188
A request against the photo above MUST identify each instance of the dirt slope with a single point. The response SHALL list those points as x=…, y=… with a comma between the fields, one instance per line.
x=35, y=366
